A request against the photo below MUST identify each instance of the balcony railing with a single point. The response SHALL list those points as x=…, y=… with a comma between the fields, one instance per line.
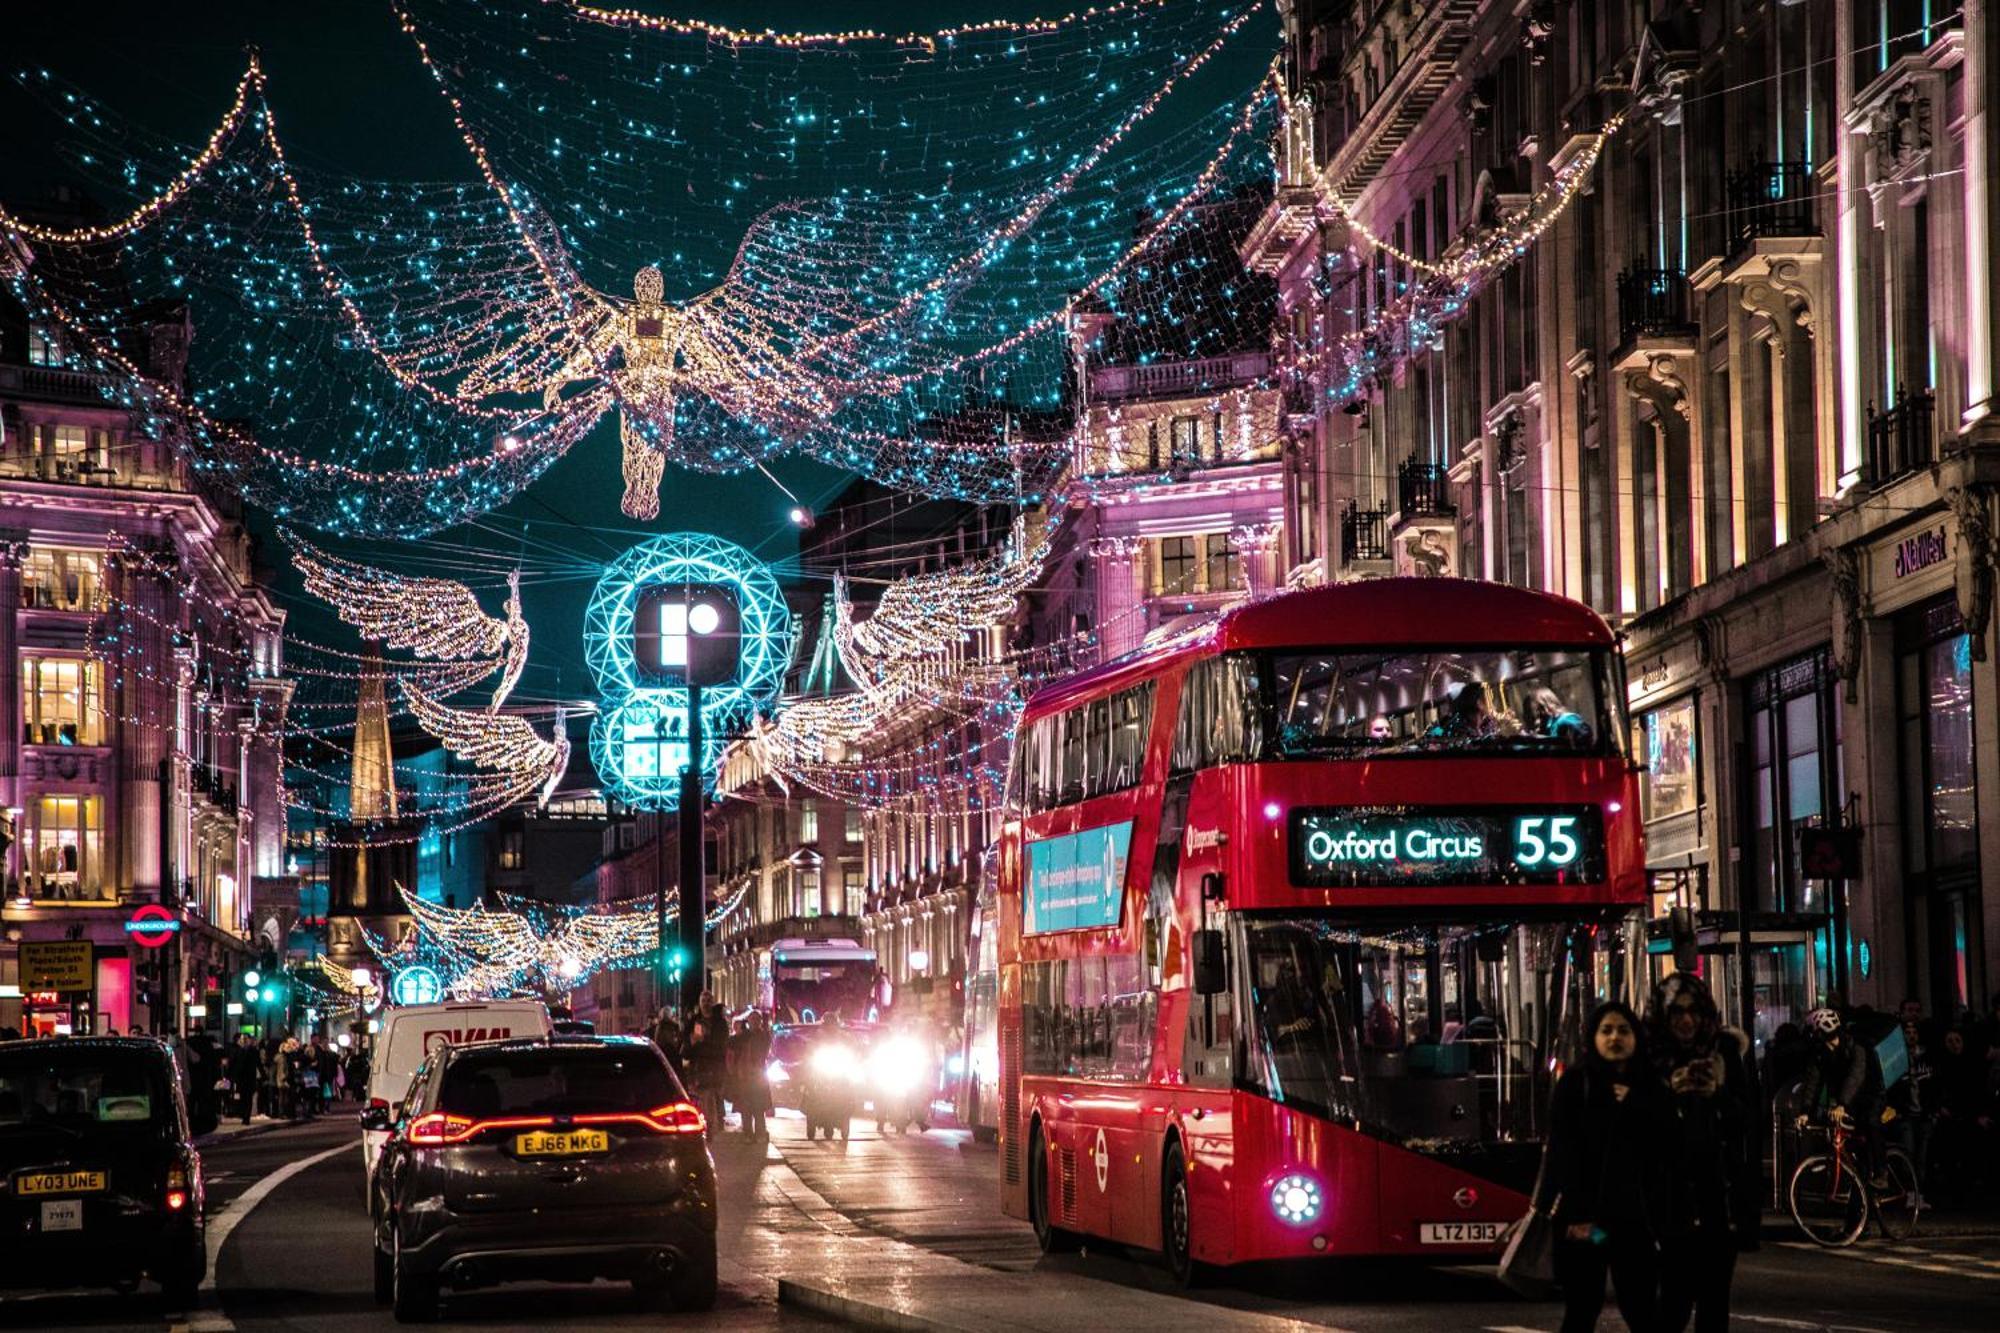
x=1902, y=438
x=1652, y=302
x=1423, y=489
x=1364, y=533
x=1768, y=199
x=1167, y=379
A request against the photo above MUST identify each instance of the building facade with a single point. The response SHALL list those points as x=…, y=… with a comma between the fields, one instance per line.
x=142, y=701
x=1736, y=392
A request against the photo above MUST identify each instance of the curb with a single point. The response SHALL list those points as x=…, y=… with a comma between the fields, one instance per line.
x=856, y=1312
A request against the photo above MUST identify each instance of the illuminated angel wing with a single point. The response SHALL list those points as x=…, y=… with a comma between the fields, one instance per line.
x=517, y=644
x=504, y=743
x=434, y=618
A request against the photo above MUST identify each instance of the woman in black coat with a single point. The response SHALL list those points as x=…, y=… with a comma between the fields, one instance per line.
x=1715, y=1152
x=1604, y=1184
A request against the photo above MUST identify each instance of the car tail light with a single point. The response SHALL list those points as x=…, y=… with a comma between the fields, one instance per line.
x=440, y=1129
x=176, y=1200
x=177, y=1191
x=676, y=1118
x=378, y=1104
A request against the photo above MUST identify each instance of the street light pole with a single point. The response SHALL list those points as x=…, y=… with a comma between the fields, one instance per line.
x=694, y=945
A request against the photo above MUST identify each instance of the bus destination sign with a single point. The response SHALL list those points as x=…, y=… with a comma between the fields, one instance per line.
x=1368, y=846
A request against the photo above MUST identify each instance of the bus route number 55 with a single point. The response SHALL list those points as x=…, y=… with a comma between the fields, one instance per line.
x=1545, y=841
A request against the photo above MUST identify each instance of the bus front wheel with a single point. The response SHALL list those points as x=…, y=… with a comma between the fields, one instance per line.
x=1052, y=1238
x=1177, y=1220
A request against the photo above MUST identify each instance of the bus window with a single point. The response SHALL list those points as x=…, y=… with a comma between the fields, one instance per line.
x=1538, y=701
x=1430, y=1036
x=1131, y=721
x=1097, y=747
x=1069, y=782
x=1219, y=721
x=1087, y=1018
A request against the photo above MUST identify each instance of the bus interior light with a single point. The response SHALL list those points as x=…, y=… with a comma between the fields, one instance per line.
x=1296, y=1199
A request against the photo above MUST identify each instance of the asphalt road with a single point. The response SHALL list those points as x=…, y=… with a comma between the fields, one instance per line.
x=298, y=1259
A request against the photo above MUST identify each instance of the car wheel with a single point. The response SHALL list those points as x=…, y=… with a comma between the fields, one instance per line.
x=693, y=1286
x=1053, y=1239
x=385, y=1276
x=414, y=1298
x=1177, y=1220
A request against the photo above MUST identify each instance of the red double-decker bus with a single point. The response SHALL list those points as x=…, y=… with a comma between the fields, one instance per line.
x=1299, y=916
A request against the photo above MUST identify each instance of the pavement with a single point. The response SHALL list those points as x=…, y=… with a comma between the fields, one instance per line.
x=903, y=1232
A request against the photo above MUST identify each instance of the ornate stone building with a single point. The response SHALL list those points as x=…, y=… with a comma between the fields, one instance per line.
x=1738, y=396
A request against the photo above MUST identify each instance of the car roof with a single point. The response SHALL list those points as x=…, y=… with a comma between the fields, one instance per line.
x=561, y=1041
x=151, y=1045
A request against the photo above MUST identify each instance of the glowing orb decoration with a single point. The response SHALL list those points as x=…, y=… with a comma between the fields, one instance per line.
x=417, y=985
x=674, y=607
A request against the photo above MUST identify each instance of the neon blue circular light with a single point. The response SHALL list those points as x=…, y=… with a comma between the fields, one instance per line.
x=1296, y=1199
x=417, y=985
x=638, y=742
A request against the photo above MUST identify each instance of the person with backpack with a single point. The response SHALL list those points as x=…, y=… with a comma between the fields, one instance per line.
x=1845, y=1076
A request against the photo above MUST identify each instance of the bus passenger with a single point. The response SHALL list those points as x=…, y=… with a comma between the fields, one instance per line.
x=1549, y=716
x=1380, y=729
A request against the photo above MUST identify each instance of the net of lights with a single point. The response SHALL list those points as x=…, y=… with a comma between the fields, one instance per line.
x=873, y=325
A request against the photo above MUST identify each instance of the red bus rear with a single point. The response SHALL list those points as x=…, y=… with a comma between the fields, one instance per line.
x=1298, y=917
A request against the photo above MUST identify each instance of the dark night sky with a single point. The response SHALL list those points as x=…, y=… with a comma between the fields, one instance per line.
x=350, y=96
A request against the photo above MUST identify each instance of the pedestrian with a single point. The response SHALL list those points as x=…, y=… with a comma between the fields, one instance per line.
x=1715, y=1156
x=1914, y=1098
x=284, y=1079
x=752, y=1086
x=246, y=1075
x=667, y=1036
x=714, y=1061
x=1604, y=1184
x=1966, y=1111
x=357, y=1074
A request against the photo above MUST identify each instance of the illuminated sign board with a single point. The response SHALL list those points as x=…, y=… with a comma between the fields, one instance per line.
x=152, y=926
x=674, y=610
x=1375, y=846
x=417, y=985
x=1077, y=881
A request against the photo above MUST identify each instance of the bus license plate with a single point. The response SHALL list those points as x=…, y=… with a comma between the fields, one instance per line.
x=1460, y=1233
x=573, y=1143
x=59, y=1182
x=62, y=1214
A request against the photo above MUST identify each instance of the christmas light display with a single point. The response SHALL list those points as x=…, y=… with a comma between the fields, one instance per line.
x=434, y=618
x=504, y=743
x=528, y=944
x=870, y=274
x=639, y=739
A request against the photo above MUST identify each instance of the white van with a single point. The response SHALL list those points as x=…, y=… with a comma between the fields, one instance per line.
x=412, y=1032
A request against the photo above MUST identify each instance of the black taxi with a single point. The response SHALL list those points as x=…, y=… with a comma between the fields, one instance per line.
x=100, y=1183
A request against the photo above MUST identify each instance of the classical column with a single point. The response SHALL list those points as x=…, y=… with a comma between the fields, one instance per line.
x=10, y=676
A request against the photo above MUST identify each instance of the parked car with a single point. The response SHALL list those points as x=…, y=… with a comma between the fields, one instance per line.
x=555, y=1159
x=102, y=1180
x=409, y=1034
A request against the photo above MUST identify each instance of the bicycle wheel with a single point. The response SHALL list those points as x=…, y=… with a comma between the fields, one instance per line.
x=1829, y=1204
x=1897, y=1205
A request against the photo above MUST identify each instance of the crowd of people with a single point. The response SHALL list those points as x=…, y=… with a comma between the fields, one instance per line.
x=721, y=1063
x=282, y=1078
x=1654, y=1174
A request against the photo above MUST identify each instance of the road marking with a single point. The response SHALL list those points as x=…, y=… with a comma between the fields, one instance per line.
x=1815, y=1325
x=1895, y=1260
x=223, y=1223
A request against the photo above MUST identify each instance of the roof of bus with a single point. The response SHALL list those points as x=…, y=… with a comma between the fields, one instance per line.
x=1418, y=612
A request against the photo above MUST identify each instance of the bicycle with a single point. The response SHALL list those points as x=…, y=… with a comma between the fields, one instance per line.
x=1831, y=1200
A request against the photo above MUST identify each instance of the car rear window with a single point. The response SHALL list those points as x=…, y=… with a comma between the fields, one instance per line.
x=82, y=1088
x=490, y=1084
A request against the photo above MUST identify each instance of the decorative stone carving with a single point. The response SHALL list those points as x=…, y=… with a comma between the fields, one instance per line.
x=1978, y=558
x=1779, y=300
x=1843, y=567
x=1663, y=385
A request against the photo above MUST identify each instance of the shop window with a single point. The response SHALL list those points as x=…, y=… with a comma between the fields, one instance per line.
x=1669, y=784
x=64, y=852
x=62, y=701
x=1940, y=807
x=1795, y=776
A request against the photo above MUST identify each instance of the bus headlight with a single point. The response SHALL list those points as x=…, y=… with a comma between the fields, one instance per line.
x=775, y=1073
x=831, y=1061
x=1296, y=1199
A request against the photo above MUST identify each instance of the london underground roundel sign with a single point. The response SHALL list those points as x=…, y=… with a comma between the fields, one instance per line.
x=151, y=925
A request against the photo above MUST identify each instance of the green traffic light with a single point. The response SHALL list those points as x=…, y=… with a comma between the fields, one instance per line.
x=270, y=995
